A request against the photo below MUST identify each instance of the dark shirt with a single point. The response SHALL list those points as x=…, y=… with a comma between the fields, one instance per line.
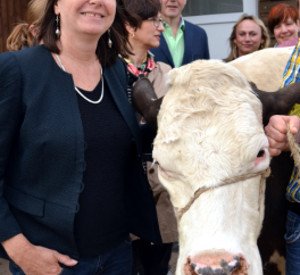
x=101, y=221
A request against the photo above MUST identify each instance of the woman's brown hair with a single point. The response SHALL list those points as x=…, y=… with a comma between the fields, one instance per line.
x=136, y=11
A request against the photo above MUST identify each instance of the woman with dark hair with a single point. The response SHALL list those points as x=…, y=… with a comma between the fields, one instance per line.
x=248, y=35
x=144, y=27
x=283, y=23
x=72, y=185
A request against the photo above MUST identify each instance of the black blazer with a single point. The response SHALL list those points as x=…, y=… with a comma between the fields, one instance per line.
x=42, y=152
x=195, y=46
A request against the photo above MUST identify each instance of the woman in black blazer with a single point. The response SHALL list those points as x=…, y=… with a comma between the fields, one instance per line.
x=72, y=185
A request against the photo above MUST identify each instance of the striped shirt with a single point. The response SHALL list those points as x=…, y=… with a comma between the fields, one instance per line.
x=291, y=75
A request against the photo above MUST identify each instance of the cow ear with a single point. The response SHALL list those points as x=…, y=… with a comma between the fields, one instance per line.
x=179, y=76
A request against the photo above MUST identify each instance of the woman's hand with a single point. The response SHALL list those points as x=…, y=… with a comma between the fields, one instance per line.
x=276, y=132
x=35, y=260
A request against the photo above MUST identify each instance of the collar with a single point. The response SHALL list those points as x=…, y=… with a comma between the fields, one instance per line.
x=181, y=24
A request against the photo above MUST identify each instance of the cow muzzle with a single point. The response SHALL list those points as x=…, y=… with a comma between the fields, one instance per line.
x=216, y=263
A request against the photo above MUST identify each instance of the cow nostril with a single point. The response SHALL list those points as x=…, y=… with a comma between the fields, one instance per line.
x=151, y=170
x=261, y=153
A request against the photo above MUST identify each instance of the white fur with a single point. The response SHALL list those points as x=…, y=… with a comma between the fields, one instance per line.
x=265, y=67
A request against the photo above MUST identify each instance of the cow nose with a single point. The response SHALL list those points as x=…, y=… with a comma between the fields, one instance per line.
x=222, y=263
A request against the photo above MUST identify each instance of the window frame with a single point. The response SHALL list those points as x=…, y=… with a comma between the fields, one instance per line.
x=223, y=17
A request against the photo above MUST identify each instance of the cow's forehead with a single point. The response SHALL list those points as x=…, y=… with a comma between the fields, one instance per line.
x=197, y=101
x=214, y=120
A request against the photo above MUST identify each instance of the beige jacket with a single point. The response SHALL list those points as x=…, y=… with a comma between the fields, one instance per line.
x=165, y=212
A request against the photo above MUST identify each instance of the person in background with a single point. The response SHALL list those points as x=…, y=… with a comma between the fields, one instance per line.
x=182, y=42
x=283, y=23
x=144, y=28
x=72, y=185
x=24, y=34
x=248, y=35
x=276, y=131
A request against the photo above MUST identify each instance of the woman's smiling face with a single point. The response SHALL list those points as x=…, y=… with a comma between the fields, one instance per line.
x=286, y=30
x=77, y=17
x=248, y=37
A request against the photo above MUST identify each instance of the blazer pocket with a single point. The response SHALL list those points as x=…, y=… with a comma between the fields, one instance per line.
x=24, y=202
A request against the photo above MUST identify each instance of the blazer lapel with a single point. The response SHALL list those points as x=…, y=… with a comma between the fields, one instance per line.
x=187, y=55
x=165, y=49
x=113, y=77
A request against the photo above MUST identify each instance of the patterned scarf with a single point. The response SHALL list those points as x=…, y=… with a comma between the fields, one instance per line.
x=134, y=73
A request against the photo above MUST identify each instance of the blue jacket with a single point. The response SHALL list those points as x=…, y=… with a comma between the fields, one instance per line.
x=42, y=152
x=195, y=46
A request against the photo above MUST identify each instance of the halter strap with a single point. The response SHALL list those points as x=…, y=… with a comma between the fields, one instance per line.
x=181, y=211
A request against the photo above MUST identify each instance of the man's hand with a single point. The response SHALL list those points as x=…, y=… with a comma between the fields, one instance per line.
x=276, y=131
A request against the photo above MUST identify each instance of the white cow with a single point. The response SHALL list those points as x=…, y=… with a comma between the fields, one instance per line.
x=213, y=153
x=265, y=67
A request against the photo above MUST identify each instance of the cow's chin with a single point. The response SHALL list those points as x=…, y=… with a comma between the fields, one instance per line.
x=216, y=263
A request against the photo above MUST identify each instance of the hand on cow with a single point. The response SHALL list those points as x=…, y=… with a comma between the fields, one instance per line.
x=35, y=260
x=276, y=132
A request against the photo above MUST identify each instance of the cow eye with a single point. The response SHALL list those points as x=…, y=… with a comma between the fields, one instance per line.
x=261, y=153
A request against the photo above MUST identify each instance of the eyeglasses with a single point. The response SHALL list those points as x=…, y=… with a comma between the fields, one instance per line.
x=156, y=21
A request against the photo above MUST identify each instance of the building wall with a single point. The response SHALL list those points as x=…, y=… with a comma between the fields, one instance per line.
x=11, y=12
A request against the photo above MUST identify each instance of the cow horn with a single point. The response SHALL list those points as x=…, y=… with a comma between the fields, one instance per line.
x=279, y=102
x=146, y=102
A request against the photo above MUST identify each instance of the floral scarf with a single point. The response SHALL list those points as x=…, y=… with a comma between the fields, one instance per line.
x=134, y=73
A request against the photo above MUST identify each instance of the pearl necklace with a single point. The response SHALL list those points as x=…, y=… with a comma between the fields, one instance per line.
x=78, y=91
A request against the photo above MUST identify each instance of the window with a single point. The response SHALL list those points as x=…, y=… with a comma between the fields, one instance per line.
x=204, y=7
x=204, y=12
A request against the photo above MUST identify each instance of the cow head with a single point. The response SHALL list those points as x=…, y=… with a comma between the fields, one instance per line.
x=214, y=151
x=210, y=132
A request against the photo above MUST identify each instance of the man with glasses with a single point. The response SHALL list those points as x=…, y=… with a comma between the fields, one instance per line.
x=182, y=42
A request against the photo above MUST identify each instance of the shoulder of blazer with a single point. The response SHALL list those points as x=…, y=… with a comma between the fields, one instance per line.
x=199, y=47
x=33, y=54
x=34, y=60
x=194, y=30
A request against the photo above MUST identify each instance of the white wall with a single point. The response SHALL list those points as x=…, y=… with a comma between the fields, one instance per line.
x=218, y=28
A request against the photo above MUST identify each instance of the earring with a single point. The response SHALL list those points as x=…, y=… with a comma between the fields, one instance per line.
x=57, y=30
x=133, y=35
x=109, y=42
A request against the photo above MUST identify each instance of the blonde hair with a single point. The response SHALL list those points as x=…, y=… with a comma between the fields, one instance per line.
x=23, y=34
x=264, y=32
